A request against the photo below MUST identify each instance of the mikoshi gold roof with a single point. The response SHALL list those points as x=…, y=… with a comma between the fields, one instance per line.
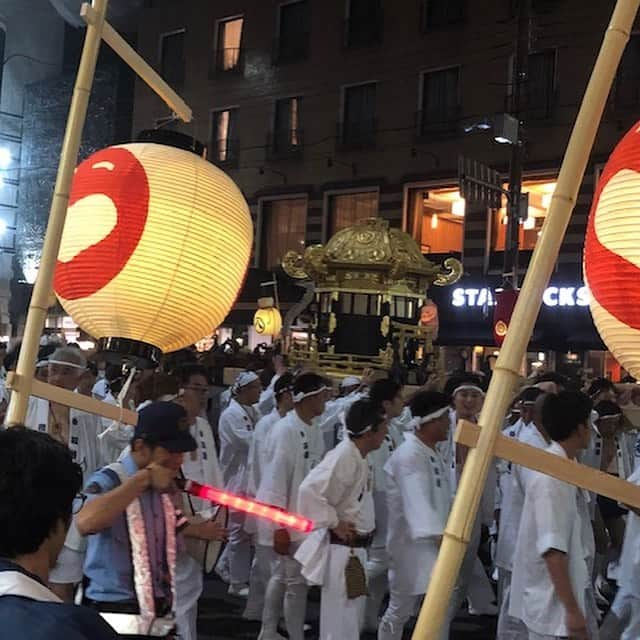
x=369, y=257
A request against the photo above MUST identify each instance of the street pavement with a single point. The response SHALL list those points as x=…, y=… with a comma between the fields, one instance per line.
x=220, y=618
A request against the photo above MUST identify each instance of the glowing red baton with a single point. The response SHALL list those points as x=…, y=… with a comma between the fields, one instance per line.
x=253, y=507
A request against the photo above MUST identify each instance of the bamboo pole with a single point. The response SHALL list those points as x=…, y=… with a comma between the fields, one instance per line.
x=139, y=65
x=68, y=159
x=463, y=513
x=563, y=469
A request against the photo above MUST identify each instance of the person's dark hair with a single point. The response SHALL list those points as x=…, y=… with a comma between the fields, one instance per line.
x=38, y=483
x=283, y=384
x=384, y=391
x=92, y=367
x=11, y=358
x=307, y=382
x=530, y=395
x=463, y=378
x=189, y=370
x=425, y=402
x=607, y=408
x=553, y=376
x=363, y=414
x=598, y=385
x=563, y=412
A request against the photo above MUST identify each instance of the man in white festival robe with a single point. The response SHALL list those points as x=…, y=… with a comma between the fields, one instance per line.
x=514, y=490
x=419, y=501
x=337, y=496
x=264, y=559
x=235, y=429
x=78, y=431
x=293, y=447
x=551, y=587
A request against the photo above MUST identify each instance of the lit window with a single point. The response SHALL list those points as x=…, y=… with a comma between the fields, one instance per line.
x=287, y=134
x=436, y=219
x=540, y=192
x=347, y=209
x=284, y=223
x=229, y=44
x=223, y=144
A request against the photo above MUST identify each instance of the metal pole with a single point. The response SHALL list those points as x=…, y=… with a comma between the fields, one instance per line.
x=519, y=78
x=42, y=291
x=463, y=514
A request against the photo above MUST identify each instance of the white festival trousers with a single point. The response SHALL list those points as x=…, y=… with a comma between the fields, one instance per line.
x=341, y=618
x=261, y=570
x=238, y=550
x=286, y=584
x=509, y=628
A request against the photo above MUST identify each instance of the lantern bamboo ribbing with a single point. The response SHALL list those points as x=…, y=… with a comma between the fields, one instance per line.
x=463, y=514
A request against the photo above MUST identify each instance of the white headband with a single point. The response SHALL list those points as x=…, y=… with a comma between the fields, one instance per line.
x=468, y=387
x=354, y=434
x=244, y=379
x=418, y=421
x=301, y=395
x=597, y=416
x=73, y=365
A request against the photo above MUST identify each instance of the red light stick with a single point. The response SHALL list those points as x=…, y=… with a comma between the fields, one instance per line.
x=253, y=507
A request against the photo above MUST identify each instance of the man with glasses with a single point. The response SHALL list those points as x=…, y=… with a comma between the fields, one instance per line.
x=35, y=514
x=78, y=431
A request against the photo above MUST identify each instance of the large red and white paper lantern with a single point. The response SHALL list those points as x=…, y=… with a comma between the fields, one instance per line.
x=612, y=253
x=155, y=248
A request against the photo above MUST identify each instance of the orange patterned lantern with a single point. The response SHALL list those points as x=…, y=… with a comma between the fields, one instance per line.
x=155, y=248
x=612, y=253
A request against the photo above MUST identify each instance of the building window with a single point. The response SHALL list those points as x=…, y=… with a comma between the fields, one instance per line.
x=293, y=34
x=224, y=143
x=442, y=13
x=435, y=219
x=364, y=22
x=540, y=192
x=172, y=63
x=540, y=87
x=440, y=102
x=626, y=92
x=287, y=135
x=229, y=44
x=284, y=223
x=346, y=209
x=359, y=124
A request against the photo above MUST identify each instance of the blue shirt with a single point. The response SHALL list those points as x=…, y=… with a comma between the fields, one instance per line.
x=22, y=618
x=108, y=563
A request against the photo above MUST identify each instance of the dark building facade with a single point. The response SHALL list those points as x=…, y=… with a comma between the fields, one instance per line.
x=328, y=112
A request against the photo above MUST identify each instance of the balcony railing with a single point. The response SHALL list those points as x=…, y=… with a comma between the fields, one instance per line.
x=227, y=60
x=291, y=48
x=224, y=152
x=288, y=143
x=359, y=32
x=438, y=123
x=356, y=135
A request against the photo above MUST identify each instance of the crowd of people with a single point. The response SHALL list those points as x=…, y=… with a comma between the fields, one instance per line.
x=91, y=513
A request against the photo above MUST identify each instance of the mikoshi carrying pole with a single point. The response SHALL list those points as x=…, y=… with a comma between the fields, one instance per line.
x=463, y=514
x=42, y=290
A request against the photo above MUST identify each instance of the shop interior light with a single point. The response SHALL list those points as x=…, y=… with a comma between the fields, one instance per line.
x=252, y=507
x=458, y=207
x=434, y=221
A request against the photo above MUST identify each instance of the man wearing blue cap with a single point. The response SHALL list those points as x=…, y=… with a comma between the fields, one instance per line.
x=132, y=526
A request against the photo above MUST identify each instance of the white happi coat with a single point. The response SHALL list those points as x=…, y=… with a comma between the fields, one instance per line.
x=419, y=500
x=514, y=483
x=377, y=460
x=83, y=432
x=337, y=489
x=291, y=450
x=629, y=578
x=235, y=430
x=257, y=459
x=555, y=516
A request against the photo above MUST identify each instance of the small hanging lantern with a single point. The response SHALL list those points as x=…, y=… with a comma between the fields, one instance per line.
x=429, y=318
x=267, y=320
x=505, y=304
x=612, y=253
x=155, y=248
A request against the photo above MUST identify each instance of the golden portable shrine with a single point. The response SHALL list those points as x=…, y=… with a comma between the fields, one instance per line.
x=370, y=294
